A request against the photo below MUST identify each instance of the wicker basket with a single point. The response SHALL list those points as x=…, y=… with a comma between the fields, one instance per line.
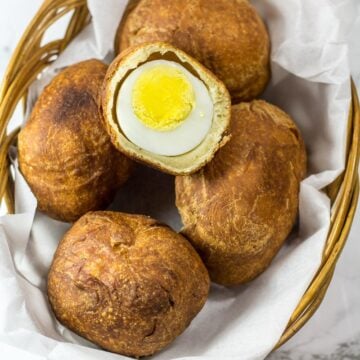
x=31, y=57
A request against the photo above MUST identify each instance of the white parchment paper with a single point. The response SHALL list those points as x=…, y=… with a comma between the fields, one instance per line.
x=311, y=81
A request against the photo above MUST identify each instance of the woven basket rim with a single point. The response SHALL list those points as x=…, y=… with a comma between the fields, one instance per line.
x=30, y=58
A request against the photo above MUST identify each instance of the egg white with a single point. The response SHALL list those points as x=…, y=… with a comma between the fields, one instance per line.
x=186, y=137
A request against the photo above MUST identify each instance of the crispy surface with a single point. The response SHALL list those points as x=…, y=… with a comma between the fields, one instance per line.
x=176, y=165
x=240, y=208
x=227, y=36
x=65, y=154
x=126, y=282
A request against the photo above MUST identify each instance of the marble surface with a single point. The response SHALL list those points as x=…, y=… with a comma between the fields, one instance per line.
x=334, y=331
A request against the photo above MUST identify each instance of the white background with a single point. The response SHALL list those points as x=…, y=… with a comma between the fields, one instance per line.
x=334, y=331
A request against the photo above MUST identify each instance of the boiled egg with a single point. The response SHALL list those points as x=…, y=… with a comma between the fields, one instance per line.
x=163, y=108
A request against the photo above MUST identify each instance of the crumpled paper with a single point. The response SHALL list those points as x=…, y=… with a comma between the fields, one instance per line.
x=311, y=81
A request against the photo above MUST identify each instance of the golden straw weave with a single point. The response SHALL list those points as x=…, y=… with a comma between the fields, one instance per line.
x=31, y=57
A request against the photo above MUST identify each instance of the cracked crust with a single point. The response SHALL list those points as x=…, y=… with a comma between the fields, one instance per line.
x=65, y=154
x=239, y=209
x=227, y=36
x=126, y=282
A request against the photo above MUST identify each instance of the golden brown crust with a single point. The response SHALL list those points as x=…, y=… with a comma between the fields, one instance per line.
x=126, y=283
x=240, y=208
x=65, y=154
x=227, y=36
x=193, y=160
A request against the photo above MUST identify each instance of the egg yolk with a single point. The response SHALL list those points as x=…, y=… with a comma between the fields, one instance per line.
x=162, y=98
